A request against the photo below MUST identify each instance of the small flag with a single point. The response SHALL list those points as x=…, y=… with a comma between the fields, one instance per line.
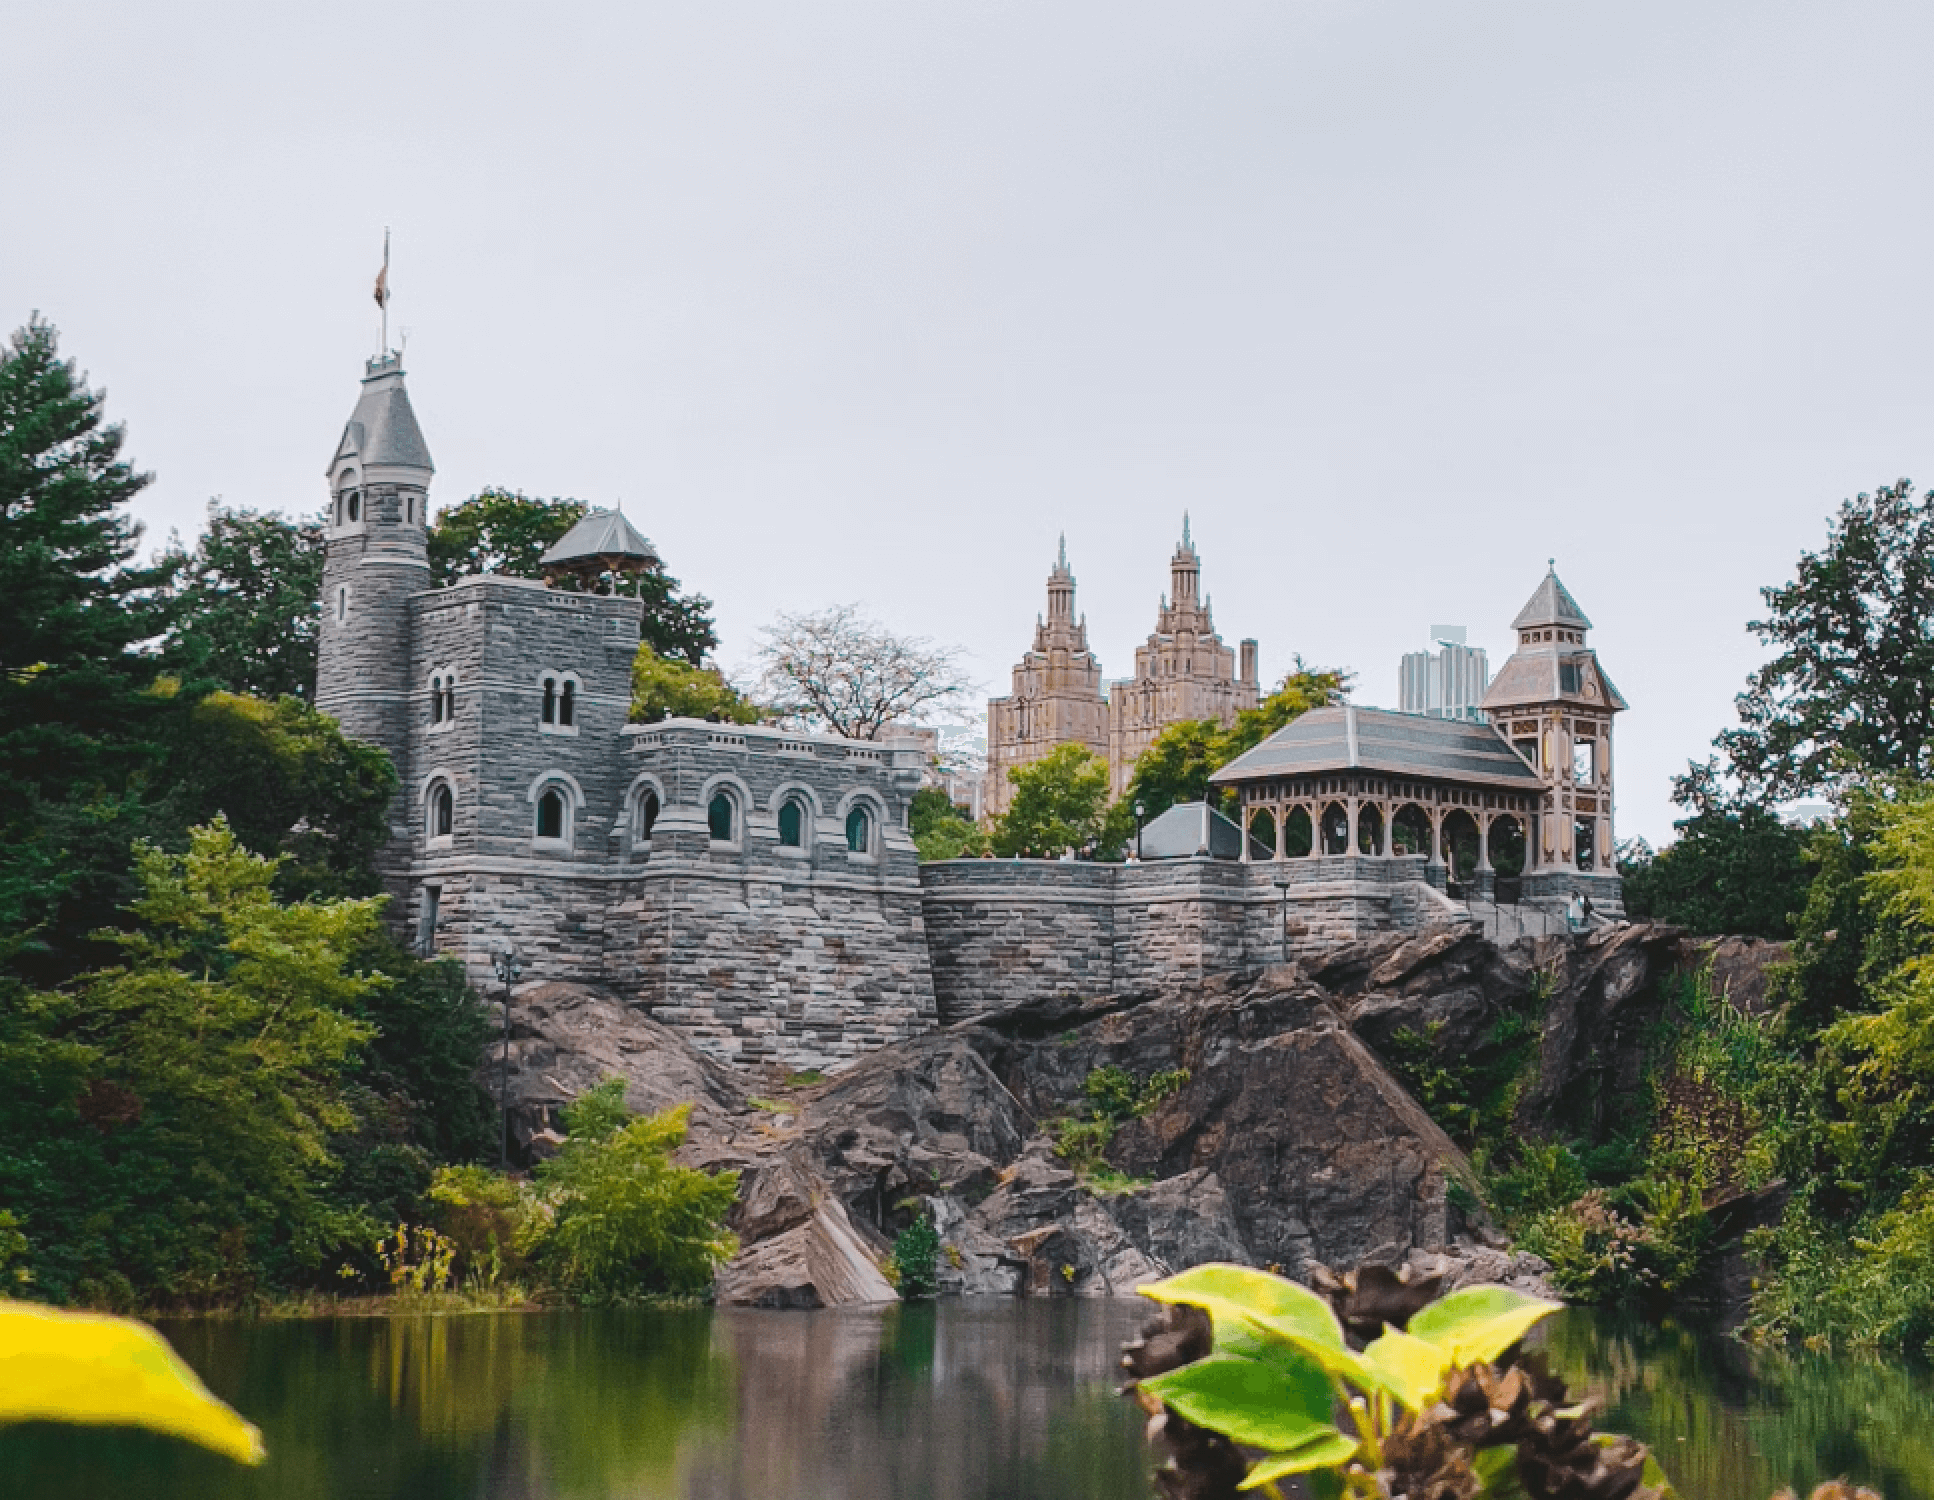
x=382, y=285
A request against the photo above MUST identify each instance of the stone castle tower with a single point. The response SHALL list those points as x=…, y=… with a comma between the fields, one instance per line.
x=1183, y=672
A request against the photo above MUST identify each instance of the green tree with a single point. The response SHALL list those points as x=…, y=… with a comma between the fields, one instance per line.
x=1733, y=869
x=289, y=782
x=74, y=710
x=1851, y=690
x=665, y=687
x=941, y=830
x=1179, y=761
x=247, y=604
x=1060, y=803
x=505, y=531
x=187, y=1095
x=627, y=1221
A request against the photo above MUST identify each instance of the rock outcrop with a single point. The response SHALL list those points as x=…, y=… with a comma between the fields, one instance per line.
x=1290, y=1144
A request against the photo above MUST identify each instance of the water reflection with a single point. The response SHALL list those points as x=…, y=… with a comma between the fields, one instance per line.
x=1730, y=1423
x=959, y=1402
x=967, y=1401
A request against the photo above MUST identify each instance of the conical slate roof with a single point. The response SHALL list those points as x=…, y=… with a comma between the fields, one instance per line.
x=1552, y=604
x=382, y=430
x=601, y=533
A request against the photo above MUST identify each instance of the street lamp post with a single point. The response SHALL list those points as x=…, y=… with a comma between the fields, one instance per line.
x=1141, y=811
x=1282, y=884
x=508, y=963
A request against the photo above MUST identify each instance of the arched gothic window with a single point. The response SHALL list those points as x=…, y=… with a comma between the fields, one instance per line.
x=550, y=814
x=859, y=831
x=449, y=697
x=550, y=700
x=648, y=808
x=355, y=506
x=792, y=824
x=567, y=705
x=436, y=699
x=721, y=817
x=443, y=811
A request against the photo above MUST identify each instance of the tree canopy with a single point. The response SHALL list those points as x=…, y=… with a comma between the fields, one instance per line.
x=840, y=671
x=1179, y=761
x=668, y=688
x=506, y=531
x=1851, y=691
x=1735, y=869
x=1060, y=803
x=247, y=604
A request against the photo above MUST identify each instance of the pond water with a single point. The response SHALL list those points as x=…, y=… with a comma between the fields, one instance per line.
x=988, y=1400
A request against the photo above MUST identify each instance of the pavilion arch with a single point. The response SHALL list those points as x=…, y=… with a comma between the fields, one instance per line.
x=1262, y=835
x=1410, y=830
x=1336, y=829
x=1505, y=844
x=556, y=799
x=1369, y=829
x=1298, y=840
x=1460, y=840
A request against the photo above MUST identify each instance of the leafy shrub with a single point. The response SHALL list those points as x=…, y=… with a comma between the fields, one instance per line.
x=482, y=1214
x=916, y=1257
x=1113, y=1095
x=624, y=1221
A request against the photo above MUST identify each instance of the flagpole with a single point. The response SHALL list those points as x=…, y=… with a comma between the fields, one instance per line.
x=382, y=352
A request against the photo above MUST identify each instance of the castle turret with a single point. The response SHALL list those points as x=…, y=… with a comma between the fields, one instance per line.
x=376, y=557
x=1554, y=703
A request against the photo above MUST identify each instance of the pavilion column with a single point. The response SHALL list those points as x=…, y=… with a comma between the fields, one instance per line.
x=1389, y=829
x=1351, y=809
x=1437, y=835
x=1282, y=831
x=1483, y=843
x=1247, y=813
x=1315, y=830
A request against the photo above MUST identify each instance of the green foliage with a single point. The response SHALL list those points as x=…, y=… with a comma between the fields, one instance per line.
x=247, y=604
x=506, y=531
x=941, y=830
x=668, y=688
x=1178, y=762
x=1113, y=1095
x=625, y=1222
x=1851, y=692
x=1281, y=1377
x=184, y=1100
x=288, y=782
x=1060, y=803
x=1733, y=869
x=916, y=1260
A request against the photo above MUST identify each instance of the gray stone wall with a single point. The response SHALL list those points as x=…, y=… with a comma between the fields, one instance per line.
x=1006, y=931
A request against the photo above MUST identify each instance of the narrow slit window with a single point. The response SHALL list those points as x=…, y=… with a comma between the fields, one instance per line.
x=550, y=700
x=443, y=813
x=550, y=815
x=567, y=704
x=436, y=700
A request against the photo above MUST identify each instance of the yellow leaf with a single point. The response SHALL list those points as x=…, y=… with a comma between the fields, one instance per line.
x=1479, y=1323
x=1326, y=1452
x=90, y=1368
x=1411, y=1369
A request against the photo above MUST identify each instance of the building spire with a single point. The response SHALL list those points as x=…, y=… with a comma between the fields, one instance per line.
x=1185, y=531
x=1063, y=561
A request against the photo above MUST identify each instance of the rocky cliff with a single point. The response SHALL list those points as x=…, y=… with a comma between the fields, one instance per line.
x=1280, y=1136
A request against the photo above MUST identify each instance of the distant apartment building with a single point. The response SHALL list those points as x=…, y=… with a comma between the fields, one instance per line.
x=1448, y=683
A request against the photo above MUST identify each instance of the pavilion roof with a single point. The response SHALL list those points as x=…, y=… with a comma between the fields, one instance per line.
x=1348, y=738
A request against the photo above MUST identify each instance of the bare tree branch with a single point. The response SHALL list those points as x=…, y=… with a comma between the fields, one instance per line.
x=836, y=669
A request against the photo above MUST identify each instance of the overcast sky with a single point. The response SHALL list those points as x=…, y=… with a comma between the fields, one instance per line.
x=871, y=301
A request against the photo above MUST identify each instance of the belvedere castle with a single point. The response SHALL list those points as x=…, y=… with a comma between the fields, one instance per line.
x=757, y=888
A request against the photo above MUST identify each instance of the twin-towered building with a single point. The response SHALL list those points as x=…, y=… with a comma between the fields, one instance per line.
x=1182, y=672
